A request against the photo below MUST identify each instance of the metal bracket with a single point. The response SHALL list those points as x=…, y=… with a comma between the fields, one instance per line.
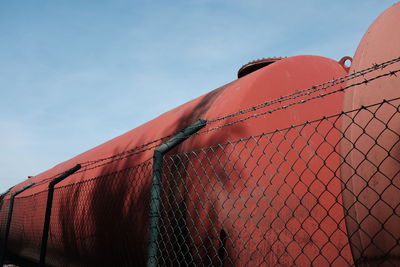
x=155, y=199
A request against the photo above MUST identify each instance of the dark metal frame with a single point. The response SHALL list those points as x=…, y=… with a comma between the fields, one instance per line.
x=156, y=185
x=9, y=218
x=49, y=204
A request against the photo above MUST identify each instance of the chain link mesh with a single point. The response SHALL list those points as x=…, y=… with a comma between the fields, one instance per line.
x=4, y=204
x=86, y=221
x=326, y=192
x=27, y=224
x=322, y=193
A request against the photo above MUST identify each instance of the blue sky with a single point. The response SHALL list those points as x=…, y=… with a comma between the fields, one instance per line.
x=74, y=74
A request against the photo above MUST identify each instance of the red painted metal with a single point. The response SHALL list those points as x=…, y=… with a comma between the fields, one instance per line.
x=283, y=77
x=380, y=43
x=280, y=78
x=344, y=60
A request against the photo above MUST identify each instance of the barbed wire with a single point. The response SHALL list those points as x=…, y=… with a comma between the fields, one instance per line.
x=365, y=81
x=201, y=186
x=145, y=162
x=133, y=150
x=298, y=93
x=314, y=88
x=261, y=182
x=298, y=125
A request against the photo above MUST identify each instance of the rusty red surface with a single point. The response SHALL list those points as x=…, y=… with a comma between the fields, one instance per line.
x=375, y=242
x=281, y=78
x=276, y=78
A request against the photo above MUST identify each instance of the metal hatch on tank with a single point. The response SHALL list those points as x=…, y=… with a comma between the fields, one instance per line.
x=277, y=79
x=290, y=196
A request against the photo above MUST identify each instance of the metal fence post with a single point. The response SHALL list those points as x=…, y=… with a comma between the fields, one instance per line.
x=8, y=224
x=156, y=185
x=49, y=204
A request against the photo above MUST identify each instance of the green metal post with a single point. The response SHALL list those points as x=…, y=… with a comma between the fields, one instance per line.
x=8, y=225
x=46, y=226
x=156, y=185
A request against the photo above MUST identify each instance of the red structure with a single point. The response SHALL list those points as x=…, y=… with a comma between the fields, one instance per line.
x=377, y=241
x=86, y=229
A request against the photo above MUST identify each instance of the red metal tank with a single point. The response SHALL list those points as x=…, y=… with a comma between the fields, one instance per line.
x=237, y=190
x=90, y=200
x=371, y=174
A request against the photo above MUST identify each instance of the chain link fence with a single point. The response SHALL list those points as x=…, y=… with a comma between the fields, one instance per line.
x=26, y=226
x=102, y=221
x=99, y=222
x=322, y=193
x=326, y=192
x=4, y=204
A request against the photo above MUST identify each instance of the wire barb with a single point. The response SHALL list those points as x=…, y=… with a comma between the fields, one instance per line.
x=93, y=164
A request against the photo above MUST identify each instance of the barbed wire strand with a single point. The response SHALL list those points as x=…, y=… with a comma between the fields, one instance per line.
x=298, y=93
x=365, y=81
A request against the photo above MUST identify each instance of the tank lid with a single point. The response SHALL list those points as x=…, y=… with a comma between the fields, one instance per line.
x=256, y=64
